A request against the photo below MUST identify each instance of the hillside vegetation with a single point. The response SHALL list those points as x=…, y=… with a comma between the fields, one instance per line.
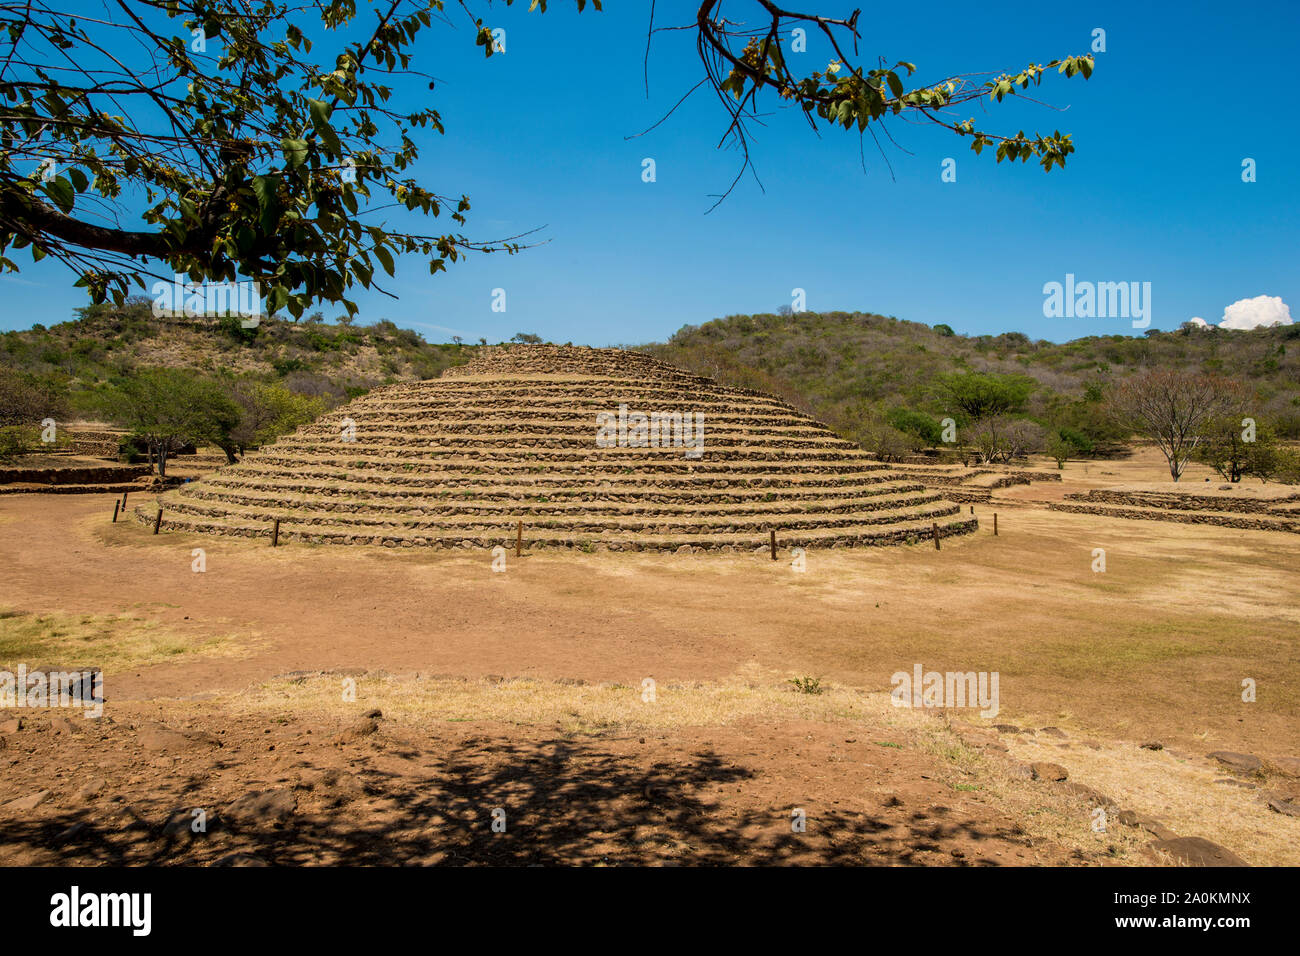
x=886, y=383
x=105, y=345
x=853, y=368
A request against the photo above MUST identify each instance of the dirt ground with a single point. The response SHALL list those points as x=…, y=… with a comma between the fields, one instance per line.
x=525, y=690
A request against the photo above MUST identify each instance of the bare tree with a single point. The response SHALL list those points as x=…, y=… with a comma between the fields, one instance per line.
x=1173, y=408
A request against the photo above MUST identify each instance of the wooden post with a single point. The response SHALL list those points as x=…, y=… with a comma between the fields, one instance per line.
x=771, y=532
x=995, y=524
x=934, y=529
x=157, y=521
x=519, y=539
x=124, y=502
x=972, y=509
x=116, y=505
x=275, y=534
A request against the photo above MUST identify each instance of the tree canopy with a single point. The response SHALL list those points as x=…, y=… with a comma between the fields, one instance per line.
x=981, y=395
x=169, y=408
x=207, y=138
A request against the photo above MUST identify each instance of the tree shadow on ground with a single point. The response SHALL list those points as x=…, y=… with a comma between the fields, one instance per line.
x=556, y=802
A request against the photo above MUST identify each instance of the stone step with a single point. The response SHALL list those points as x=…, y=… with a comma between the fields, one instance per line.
x=605, y=394
x=383, y=496
x=1220, y=518
x=541, y=506
x=431, y=479
x=596, y=461
x=723, y=491
x=916, y=530
x=43, y=489
x=570, y=524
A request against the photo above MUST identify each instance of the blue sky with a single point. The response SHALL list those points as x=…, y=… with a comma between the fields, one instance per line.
x=537, y=137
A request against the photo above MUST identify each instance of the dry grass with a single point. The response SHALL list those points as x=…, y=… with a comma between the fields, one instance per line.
x=1182, y=793
x=1155, y=646
x=114, y=642
x=1045, y=812
x=573, y=708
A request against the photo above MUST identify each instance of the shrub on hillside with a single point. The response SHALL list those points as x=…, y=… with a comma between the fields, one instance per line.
x=26, y=399
x=18, y=440
x=922, y=430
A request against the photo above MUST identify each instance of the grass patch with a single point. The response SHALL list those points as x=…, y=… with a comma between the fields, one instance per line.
x=807, y=685
x=585, y=708
x=111, y=642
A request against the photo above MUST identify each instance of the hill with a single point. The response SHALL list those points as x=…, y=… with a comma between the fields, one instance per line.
x=107, y=344
x=842, y=367
x=875, y=379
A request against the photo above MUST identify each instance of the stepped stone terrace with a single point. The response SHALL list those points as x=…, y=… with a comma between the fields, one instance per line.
x=512, y=437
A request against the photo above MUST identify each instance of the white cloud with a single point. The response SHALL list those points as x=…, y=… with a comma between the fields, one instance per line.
x=1255, y=313
x=1197, y=320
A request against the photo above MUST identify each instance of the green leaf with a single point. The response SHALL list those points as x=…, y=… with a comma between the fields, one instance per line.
x=295, y=151
x=264, y=187
x=320, y=113
x=276, y=298
x=264, y=190
x=60, y=190
x=385, y=258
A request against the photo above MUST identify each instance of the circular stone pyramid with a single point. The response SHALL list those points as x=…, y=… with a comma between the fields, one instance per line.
x=459, y=461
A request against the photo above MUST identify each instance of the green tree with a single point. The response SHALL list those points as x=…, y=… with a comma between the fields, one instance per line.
x=1235, y=446
x=170, y=408
x=980, y=395
x=264, y=161
x=1061, y=446
x=26, y=398
x=1286, y=466
x=922, y=430
x=265, y=413
x=866, y=425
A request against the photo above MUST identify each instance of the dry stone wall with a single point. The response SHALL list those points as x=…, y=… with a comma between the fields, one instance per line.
x=512, y=437
x=1278, y=514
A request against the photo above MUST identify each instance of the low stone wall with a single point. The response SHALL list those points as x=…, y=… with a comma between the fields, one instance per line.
x=1025, y=477
x=1183, y=501
x=1220, y=519
x=95, y=447
x=113, y=489
x=109, y=474
x=93, y=442
x=469, y=538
